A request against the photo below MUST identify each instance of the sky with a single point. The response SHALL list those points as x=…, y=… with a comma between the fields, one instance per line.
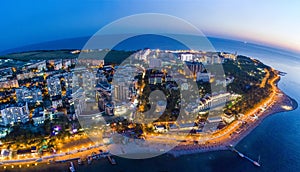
x=268, y=22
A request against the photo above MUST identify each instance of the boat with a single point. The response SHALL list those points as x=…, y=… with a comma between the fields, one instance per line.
x=72, y=168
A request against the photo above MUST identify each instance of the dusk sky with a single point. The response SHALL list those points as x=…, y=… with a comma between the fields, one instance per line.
x=268, y=22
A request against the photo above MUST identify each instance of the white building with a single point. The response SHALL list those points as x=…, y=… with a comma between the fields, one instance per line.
x=78, y=99
x=186, y=57
x=214, y=101
x=40, y=66
x=121, y=92
x=54, y=86
x=160, y=129
x=29, y=95
x=56, y=103
x=58, y=64
x=12, y=115
x=89, y=84
x=228, y=118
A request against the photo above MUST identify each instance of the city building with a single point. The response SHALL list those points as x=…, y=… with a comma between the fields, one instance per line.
x=6, y=73
x=229, y=56
x=54, y=86
x=38, y=116
x=9, y=84
x=225, y=82
x=204, y=77
x=186, y=57
x=88, y=84
x=155, y=63
x=109, y=109
x=210, y=102
x=17, y=113
x=160, y=129
x=58, y=64
x=32, y=95
x=78, y=99
x=39, y=66
x=228, y=118
x=195, y=67
x=104, y=87
x=66, y=63
x=56, y=103
x=212, y=123
x=155, y=78
x=121, y=92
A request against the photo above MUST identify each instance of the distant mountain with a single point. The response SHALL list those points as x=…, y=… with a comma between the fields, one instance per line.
x=72, y=43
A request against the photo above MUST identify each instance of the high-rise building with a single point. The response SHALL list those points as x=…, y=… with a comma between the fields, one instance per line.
x=121, y=92
x=88, y=84
x=78, y=98
x=54, y=86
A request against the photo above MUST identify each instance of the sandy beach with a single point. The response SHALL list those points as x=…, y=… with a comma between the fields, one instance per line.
x=282, y=101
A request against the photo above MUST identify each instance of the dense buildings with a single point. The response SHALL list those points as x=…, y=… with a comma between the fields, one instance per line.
x=47, y=85
x=32, y=95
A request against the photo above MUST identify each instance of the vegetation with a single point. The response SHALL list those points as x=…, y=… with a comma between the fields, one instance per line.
x=248, y=76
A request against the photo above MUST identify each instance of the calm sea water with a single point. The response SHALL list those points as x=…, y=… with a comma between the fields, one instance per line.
x=276, y=140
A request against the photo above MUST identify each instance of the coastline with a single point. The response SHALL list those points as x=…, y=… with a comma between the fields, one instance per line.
x=281, y=100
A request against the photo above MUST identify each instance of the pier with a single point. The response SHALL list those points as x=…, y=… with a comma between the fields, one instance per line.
x=256, y=163
x=111, y=160
x=72, y=168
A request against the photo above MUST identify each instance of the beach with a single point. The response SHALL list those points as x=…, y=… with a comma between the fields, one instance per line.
x=282, y=100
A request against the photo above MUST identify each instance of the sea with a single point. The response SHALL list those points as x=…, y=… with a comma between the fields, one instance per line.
x=276, y=141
